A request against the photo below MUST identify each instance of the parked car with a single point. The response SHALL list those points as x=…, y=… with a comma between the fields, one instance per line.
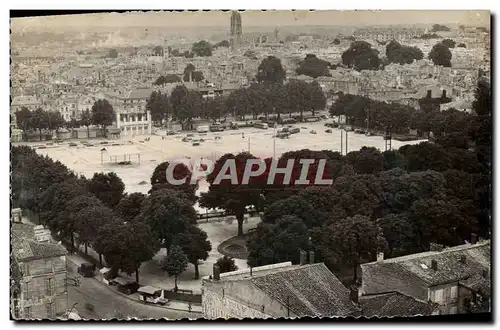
x=196, y=144
x=216, y=128
x=294, y=130
x=171, y=133
x=328, y=131
x=86, y=269
x=128, y=288
x=359, y=131
x=313, y=132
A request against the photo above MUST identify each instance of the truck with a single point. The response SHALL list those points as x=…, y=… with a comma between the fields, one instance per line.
x=202, y=129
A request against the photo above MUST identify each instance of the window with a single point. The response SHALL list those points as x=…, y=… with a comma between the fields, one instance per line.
x=51, y=310
x=454, y=292
x=26, y=290
x=49, y=286
x=438, y=296
x=27, y=270
x=27, y=312
x=49, y=266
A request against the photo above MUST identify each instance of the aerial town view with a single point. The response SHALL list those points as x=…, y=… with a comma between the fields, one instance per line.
x=250, y=164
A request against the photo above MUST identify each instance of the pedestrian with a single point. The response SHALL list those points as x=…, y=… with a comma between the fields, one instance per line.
x=189, y=306
x=243, y=135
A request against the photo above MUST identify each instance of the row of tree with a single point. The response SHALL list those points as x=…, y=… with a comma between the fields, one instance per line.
x=101, y=114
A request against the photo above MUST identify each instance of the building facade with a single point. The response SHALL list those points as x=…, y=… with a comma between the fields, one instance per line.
x=39, y=288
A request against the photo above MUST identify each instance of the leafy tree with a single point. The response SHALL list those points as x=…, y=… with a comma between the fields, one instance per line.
x=426, y=156
x=278, y=97
x=233, y=197
x=449, y=43
x=299, y=96
x=159, y=106
x=223, y=43
x=54, y=120
x=39, y=121
x=175, y=263
x=440, y=54
x=158, y=50
x=113, y=53
x=443, y=221
x=398, y=232
x=360, y=195
x=107, y=187
x=86, y=120
x=322, y=199
x=270, y=70
x=397, y=53
x=89, y=220
x=367, y=160
x=349, y=242
x=215, y=108
x=195, y=245
x=393, y=159
x=313, y=67
x=23, y=119
x=126, y=245
x=361, y=56
x=190, y=74
x=278, y=242
x=69, y=220
x=168, y=213
x=181, y=171
x=130, y=206
x=293, y=206
x=317, y=97
x=185, y=105
x=440, y=28
x=202, y=48
x=226, y=264
x=103, y=114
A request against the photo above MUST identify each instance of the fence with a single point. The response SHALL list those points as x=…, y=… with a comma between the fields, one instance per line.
x=183, y=295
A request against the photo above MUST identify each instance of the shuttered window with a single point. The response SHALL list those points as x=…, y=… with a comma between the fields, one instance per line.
x=49, y=286
x=454, y=292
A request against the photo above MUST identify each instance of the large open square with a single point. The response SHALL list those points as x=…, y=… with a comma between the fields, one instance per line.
x=86, y=160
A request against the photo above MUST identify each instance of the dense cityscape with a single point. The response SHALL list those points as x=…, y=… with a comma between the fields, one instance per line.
x=327, y=171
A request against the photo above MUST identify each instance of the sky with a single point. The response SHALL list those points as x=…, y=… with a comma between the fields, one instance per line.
x=258, y=18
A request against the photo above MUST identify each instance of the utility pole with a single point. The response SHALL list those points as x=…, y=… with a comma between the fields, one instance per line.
x=346, y=143
x=341, y=142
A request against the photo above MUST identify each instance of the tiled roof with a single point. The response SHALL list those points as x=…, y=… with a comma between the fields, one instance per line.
x=310, y=290
x=478, y=283
x=25, y=247
x=450, y=267
x=394, y=304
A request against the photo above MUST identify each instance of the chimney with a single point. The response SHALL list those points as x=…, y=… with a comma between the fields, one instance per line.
x=380, y=256
x=303, y=257
x=354, y=294
x=216, y=273
x=434, y=264
x=473, y=238
x=463, y=259
x=311, y=257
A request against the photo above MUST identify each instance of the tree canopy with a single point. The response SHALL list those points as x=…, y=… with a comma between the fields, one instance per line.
x=440, y=54
x=270, y=70
x=361, y=56
x=313, y=67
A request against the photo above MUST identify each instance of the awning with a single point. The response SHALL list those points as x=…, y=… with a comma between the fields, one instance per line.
x=104, y=270
x=148, y=290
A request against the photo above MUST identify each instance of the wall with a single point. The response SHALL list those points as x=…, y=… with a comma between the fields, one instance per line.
x=446, y=296
x=381, y=279
x=238, y=299
x=36, y=297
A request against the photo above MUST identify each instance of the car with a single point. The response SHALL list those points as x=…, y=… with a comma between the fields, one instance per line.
x=328, y=131
x=73, y=145
x=86, y=269
x=186, y=139
x=359, y=131
x=369, y=134
x=294, y=130
x=313, y=132
x=128, y=288
x=196, y=144
x=171, y=133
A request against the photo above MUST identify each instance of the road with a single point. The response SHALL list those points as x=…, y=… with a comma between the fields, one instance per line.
x=107, y=304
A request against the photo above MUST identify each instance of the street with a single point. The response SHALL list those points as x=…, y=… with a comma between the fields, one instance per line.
x=107, y=304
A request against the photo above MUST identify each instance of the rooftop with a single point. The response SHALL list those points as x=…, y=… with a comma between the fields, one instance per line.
x=25, y=247
x=309, y=290
x=394, y=304
x=453, y=264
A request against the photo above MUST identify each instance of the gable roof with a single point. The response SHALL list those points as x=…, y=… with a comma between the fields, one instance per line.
x=25, y=247
x=450, y=268
x=309, y=290
x=393, y=304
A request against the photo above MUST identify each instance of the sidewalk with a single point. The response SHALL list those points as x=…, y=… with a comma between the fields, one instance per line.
x=75, y=260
